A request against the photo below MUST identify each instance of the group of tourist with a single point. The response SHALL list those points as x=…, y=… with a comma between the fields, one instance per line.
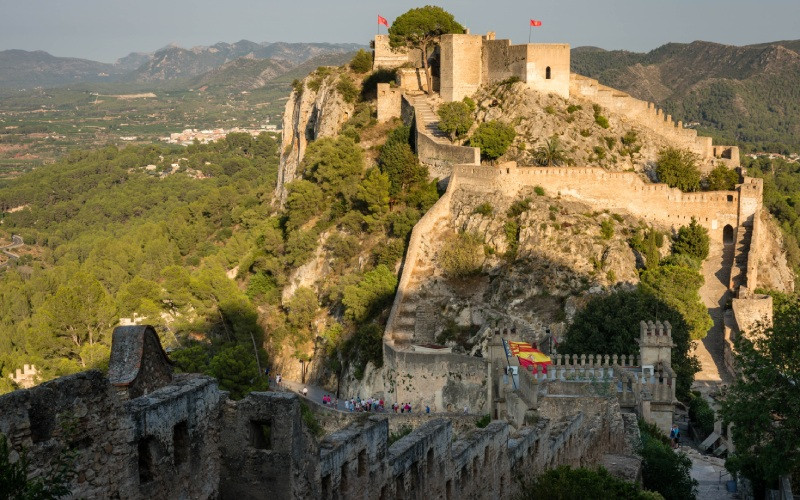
x=327, y=400
x=367, y=405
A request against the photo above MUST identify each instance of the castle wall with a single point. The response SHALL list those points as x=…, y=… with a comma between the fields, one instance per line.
x=163, y=445
x=388, y=58
x=622, y=191
x=459, y=66
x=388, y=102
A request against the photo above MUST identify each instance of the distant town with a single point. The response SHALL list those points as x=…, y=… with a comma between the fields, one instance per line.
x=189, y=135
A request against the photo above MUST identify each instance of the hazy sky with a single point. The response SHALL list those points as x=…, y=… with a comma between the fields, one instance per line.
x=108, y=29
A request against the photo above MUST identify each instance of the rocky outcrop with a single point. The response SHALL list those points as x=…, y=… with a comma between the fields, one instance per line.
x=774, y=272
x=309, y=115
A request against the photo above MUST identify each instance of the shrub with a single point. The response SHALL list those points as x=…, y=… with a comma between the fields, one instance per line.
x=678, y=169
x=304, y=201
x=585, y=132
x=519, y=207
x=511, y=230
x=493, y=139
x=369, y=87
x=607, y=229
x=602, y=121
x=482, y=422
x=722, y=179
x=550, y=110
x=389, y=253
x=364, y=346
x=297, y=86
x=310, y=420
x=455, y=119
x=462, y=255
x=347, y=89
x=573, y=108
x=361, y=62
x=402, y=432
x=692, y=240
x=539, y=190
x=509, y=81
x=485, y=209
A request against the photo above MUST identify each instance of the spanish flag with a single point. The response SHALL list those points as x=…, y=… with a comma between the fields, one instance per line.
x=529, y=355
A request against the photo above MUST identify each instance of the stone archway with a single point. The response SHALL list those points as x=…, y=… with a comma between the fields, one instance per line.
x=727, y=235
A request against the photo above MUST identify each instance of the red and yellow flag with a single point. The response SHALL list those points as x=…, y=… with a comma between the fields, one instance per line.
x=528, y=355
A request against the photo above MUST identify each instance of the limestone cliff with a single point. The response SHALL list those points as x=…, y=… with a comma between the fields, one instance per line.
x=315, y=109
x=774, y=272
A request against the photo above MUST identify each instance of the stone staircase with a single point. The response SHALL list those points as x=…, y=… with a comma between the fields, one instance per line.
x=744, y=235
x=426, y=112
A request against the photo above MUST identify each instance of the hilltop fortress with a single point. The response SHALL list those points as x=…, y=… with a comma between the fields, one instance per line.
x=144, y=432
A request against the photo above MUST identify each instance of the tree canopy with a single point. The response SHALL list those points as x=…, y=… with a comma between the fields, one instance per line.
x=455, y=119
x=678, y=169
x=763, y=404
x=493, y=139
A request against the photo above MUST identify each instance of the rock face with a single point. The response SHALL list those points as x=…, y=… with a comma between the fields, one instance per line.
x=309, y=115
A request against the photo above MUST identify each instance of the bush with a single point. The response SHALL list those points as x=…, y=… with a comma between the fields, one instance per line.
x=304, y=201
x=462, y=255
x=573, y=108
x=539, y=190
x=493, y=139
x=455, y=119
x=361, y=62
x=566, y=483
x=607, y=229
x=664, y=470
x=398, y=160
x=369, y=87
x=347, y=89
x=602, y=121
x=482, y=422
x=692, y=240
x=722, y=179
x=485, y=209
x=364, y=346
x=310, y=420
x=678, y=168
x=402, y=432
x=519, y=207
x=701, y=413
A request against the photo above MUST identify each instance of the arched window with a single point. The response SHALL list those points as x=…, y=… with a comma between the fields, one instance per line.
x=727, y=235
x=547, y=73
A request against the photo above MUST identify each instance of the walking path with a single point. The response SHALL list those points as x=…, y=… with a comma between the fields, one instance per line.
x=711, y=475
x=16, y=241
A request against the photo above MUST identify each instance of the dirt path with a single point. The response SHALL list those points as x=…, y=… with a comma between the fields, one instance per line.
x=710, y=474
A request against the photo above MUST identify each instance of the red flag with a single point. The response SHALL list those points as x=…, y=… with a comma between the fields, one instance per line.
x=382, y=20
x=534, y=22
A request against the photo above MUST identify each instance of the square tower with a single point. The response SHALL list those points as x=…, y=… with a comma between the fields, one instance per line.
x=655, y=343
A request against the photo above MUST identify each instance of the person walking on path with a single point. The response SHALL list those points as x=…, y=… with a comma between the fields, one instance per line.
x=674, y=435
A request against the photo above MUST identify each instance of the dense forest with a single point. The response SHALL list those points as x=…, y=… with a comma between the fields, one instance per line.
x=189, y=240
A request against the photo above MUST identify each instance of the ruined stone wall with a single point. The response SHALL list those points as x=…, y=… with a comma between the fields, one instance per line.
x=266, y=450
x=622, y=191
x=162, y=445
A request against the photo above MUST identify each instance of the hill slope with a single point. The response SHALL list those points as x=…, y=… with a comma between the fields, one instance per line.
x=738, y=95
x=21, y=68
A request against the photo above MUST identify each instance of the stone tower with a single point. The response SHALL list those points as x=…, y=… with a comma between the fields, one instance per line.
x=655, y=343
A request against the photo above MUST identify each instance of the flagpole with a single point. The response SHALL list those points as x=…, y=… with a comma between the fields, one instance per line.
x=530, y=28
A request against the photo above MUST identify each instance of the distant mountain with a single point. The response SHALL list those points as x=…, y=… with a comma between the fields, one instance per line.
x=25, y=69
x=247, y=73
x=748, y=94
x=176, y=62
x=22, y=68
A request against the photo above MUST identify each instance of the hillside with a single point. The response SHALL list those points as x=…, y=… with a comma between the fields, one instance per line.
x=742, y=95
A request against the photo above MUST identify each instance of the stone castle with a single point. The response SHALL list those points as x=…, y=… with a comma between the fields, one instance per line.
x=145, y=432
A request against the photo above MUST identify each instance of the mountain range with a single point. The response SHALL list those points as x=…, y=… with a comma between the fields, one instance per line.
x=748, y=95
x=24, y=69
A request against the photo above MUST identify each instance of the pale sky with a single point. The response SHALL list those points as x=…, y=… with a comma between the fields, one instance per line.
x=108, y=29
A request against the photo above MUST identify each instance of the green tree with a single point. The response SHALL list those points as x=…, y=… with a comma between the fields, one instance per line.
x=372, y=196
x=17, y=481
x=763, y=404
x=692, y=240
x=422, y=28
x=455, y=119
x=664, y=470
x=399, y=162
x=678, y=168
x=236, y=370
x=372, y=292
x=361, y=62
x=610, y=324
x=303, y=202
x=551, y=153
x=301, y=308
x=493, y=139
x=722, y=178
x=335, y=164
x=679, y=286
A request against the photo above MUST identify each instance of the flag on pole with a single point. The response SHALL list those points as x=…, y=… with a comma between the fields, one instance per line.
x=527, y=355
x=534, y=22
x=382, y=20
